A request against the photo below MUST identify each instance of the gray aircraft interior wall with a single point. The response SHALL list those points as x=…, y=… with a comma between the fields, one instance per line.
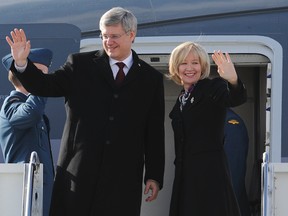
x=62, y=39
x=160, y=207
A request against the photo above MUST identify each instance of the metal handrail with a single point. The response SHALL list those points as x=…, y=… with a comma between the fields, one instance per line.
x=265, y=184
x=32, y=167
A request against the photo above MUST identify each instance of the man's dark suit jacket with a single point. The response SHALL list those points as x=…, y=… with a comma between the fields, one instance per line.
x=110, y=133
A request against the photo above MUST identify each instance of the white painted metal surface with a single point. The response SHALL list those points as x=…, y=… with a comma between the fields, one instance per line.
x=277, y=189
x=13, y=190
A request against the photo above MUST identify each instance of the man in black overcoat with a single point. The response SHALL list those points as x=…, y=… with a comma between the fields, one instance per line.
x=112, y=131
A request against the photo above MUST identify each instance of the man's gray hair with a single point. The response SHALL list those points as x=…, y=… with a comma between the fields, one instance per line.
x=119, y=15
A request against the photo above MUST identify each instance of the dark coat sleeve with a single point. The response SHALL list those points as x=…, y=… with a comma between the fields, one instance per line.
x=225, y=94
x=56, y=84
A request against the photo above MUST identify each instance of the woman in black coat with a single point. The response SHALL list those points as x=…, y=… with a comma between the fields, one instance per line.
x=202, y=185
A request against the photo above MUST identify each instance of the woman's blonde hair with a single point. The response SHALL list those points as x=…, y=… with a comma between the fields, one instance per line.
x=178, y=56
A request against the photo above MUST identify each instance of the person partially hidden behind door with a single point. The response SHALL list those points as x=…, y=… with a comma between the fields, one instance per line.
x=24, y=127
x=236, y=143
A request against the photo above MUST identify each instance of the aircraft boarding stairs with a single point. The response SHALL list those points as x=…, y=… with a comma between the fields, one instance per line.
x=21, y=188
x=274, y=187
